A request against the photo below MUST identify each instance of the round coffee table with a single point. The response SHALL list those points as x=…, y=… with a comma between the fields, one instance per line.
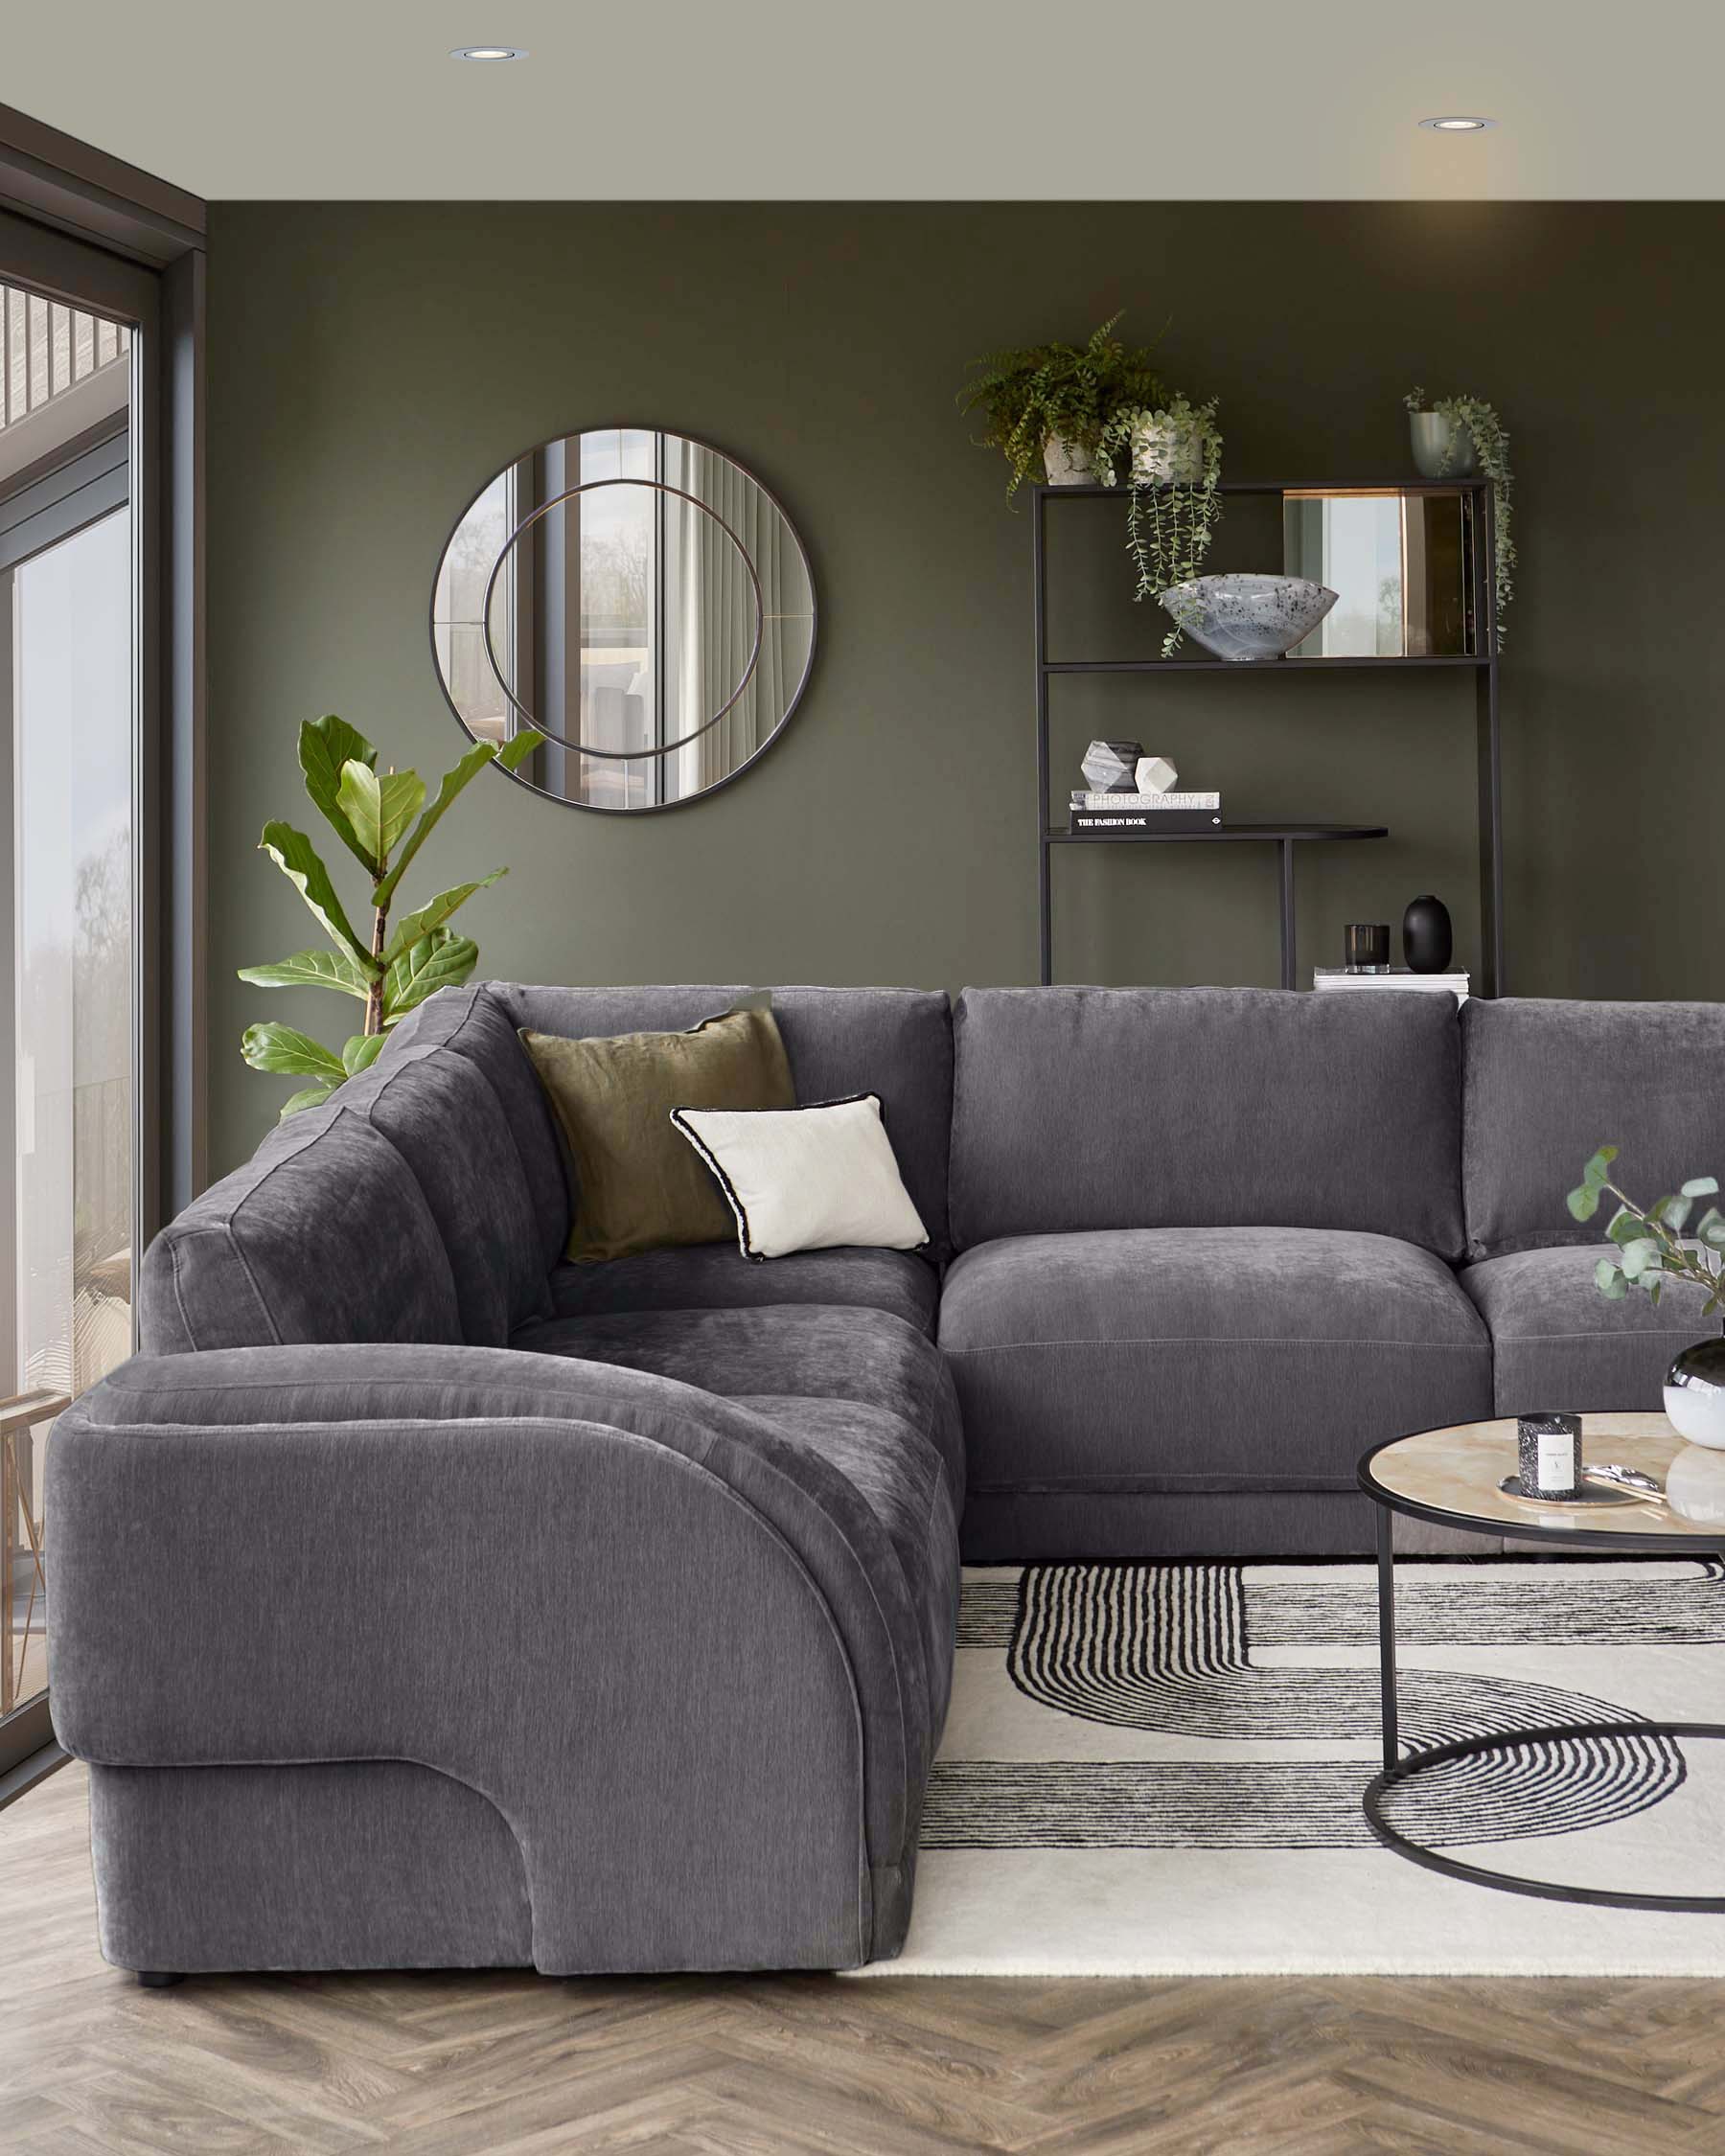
x=1452, y=1477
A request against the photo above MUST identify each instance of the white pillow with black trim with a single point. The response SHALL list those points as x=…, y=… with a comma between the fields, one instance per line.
x=807, y=1178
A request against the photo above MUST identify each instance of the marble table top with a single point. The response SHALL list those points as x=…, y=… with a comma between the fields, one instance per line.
x=1456, y=1471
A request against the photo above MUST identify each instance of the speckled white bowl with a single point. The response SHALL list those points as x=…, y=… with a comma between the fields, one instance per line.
x=1249, y=618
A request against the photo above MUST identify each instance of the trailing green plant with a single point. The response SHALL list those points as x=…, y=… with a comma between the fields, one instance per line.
x=1491, y=446
x=389, y=972
x=1649, y=1239
x=1026, y=393
x=1170, y=520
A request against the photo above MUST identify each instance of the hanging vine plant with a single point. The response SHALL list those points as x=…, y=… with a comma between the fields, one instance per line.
x=1173, y=457
x=1477, y=437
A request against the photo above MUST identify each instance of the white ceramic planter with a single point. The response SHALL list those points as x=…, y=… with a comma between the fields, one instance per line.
x=1695, y=1486
x=1694, y=1394
x=1165, y=454
x=1066, y=466
x=1443, y=450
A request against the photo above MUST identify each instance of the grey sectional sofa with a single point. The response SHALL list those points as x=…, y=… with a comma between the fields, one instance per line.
x=420, y=1598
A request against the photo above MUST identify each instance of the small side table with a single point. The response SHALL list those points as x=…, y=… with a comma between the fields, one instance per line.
x=17, y=1511
x=1451, y=1477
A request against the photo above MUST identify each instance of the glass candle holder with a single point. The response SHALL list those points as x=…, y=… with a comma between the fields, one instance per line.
x=1366, y=946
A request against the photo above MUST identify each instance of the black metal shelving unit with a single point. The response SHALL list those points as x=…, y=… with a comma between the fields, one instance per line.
x=1482, y=663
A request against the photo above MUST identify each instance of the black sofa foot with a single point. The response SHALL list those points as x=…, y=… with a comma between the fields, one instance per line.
x=159, y=1980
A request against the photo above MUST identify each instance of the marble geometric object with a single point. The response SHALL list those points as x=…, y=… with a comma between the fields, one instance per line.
x=1110, y=766
x=1154, y=774
x=1247, y=617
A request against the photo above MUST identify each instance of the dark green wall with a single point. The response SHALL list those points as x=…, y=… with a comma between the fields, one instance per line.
x=372, y=365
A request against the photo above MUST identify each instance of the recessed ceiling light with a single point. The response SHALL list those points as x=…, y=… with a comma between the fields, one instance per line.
x=1459, y=124
x=488, y=51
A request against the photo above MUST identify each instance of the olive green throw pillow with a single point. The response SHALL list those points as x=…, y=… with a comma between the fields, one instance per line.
x=638, y=1184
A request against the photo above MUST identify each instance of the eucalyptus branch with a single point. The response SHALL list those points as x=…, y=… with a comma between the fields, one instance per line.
x=1649, y=1239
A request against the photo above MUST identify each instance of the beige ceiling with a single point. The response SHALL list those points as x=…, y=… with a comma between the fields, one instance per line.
x=806, y=100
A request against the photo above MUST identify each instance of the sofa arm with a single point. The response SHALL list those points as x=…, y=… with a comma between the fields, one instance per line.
x=669, y=1644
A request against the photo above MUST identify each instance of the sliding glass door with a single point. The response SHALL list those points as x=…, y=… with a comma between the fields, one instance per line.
x=70, y=712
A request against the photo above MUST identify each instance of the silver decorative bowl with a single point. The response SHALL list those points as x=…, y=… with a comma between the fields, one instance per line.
x=1247, y=617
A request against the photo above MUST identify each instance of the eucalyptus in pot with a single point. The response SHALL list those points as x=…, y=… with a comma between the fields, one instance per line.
x=1461, y=437
x=1054, y=402
x=382, y=819
x=1655, y=1246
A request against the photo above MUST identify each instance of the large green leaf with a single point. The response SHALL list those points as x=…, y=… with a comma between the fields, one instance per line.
x=378, y=807
x=513, y=752
x=360, y=1050
x=1584, y=1201
x=295, y=854
x=325, y=746
x=312, y=968
x=309, y=1096
x=285, y=1049
x=443, y=959
x=517, y=750
x=1608, y=1279
x=414, y=927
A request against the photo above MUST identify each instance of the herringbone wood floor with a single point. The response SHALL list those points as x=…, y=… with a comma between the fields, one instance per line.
x=519, y=2066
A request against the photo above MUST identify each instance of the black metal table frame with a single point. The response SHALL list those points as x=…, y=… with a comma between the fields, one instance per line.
x=1400, y=1767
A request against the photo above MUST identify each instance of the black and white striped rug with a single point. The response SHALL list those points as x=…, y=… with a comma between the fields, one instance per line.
x=1158, y=1769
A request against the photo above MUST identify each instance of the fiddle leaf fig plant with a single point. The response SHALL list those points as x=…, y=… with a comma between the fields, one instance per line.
x=382, y=818
x=1649, y=1240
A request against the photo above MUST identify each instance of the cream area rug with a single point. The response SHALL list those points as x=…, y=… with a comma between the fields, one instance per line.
x=1156, y=1770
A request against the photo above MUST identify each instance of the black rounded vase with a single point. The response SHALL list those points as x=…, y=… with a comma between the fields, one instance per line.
x=1427, y=938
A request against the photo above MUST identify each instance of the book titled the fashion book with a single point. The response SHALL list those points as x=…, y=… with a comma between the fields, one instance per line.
x=1169, y=822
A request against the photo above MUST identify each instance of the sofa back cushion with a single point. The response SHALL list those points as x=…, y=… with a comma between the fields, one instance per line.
x=426, y=1202
x=1548, y=1083
x=1099, y=1108
x=324, y=1235
x=896, y=1042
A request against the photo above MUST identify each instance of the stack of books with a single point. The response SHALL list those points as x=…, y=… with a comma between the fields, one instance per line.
x=1397, y=977
x=1145, y=812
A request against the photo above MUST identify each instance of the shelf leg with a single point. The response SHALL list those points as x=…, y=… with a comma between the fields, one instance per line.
x=1385, y=1583
x=1039, y=576
x=1286, y=863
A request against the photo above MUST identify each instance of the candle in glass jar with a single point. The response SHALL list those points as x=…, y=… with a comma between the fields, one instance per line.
x=1549, y=1454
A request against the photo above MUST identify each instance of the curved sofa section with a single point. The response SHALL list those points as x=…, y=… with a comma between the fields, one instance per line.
x=671, y=1647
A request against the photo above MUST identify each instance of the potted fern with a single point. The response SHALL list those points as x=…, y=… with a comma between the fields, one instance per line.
x=1054, y=404
x=382, y=819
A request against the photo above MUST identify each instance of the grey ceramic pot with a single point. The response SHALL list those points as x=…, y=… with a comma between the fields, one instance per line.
x=1433, y=458
x=1694, y=1394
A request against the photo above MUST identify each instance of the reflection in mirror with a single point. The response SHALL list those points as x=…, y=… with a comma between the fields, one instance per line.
x=1403, y=564
x=641, y=599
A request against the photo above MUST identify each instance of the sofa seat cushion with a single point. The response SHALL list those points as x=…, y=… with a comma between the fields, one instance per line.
x=1557, y=1344
x=784, y=1352
x=718, y=1276
x=860, y=1390
x=1202, y=1360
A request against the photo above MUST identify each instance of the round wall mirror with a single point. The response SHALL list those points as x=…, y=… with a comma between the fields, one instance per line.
x=637, y=597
